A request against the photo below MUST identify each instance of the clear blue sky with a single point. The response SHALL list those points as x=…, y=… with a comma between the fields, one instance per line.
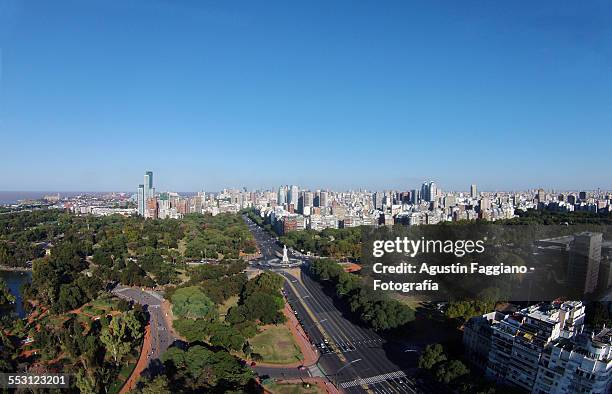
x=338, y=94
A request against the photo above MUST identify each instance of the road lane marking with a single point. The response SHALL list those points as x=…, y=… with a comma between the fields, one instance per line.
x=329, y=310
x=314, y=319
x=373, y=379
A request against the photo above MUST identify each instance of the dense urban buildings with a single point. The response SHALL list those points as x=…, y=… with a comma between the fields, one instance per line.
x=588, y=257
x=543, y=348
x=290, y=207
x=321, y=209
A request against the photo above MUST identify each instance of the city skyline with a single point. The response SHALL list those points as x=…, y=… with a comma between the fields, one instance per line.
x=407, y=187
x=465, y=190
x=336, y=197
x=507, y=96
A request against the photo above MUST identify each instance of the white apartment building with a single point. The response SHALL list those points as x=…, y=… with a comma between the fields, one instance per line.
x=579, y=365
x=542, y=349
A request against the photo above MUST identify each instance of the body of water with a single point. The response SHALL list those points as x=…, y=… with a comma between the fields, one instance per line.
x=15, y=280
x=13, y=197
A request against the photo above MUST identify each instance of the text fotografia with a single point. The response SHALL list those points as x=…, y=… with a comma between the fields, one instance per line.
x=410, y=248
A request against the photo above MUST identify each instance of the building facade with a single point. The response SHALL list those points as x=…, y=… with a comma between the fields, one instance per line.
x=542, y=349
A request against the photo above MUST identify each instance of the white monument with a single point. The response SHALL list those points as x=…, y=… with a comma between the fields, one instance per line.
x=285, y=257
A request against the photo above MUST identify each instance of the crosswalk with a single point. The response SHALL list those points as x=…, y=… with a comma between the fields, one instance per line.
x=339, y=346
x=373, y=379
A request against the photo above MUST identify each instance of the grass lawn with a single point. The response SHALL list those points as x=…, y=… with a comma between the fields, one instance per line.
x=279, y=388
x=104, y=303
x=230, y=302
x=407, y=300
x=276, y=345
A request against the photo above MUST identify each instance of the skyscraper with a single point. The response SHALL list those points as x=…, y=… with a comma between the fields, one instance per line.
x=473, y=191
x=145, y=193
x=324, y=201
x=414, y=196
x=378, y=200
x=293, y=195
x=425, y=191
x=149, y=176
x=308, y=199
x=141, y=200
x=433, y=192
x=148, y=185
x=282, y=195
x=584, y=261
x=429, y=191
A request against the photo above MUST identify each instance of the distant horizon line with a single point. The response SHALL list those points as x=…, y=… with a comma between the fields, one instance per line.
x=309, y=189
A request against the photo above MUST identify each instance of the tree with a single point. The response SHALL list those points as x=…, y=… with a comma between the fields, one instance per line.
x=6, y=355
x=70, y=297
x=265, y=308
x=377, y=310
x=432, y=355
x=85, y=382
x=226, y=336
x=206, y=370
x=159, y=385
x=451, y=370
x=191, y=302
x=267, y=282
x=6, y=298
x=133, y=275
x=5, y=255
x=118, y=336
x=89, y=286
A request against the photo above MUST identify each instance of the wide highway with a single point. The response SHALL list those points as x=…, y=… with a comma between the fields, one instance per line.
x=355, y=358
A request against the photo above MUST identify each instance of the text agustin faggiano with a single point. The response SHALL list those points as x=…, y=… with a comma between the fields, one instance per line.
x=411, y=248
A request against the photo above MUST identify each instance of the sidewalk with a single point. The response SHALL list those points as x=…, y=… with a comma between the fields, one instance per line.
x=166, y=308
x=143, y=363
x=310, y=353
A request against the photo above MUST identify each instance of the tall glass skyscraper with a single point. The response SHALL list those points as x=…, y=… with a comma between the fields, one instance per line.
x=282, y=195
x=148, y=185
x=292, y=198
x=141, y=199
x=145, y=192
